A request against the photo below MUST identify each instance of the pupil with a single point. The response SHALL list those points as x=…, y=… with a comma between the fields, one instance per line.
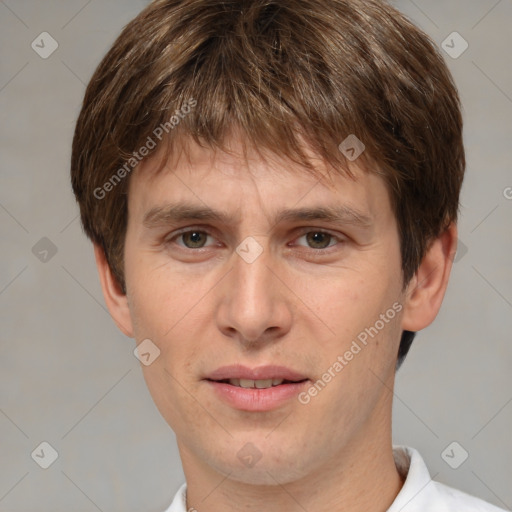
x=317, y=238
x=195, y=237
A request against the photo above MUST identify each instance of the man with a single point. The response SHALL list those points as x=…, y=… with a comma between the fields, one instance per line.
x=272, y=191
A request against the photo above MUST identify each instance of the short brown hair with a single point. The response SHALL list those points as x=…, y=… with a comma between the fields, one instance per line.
x=282, y=71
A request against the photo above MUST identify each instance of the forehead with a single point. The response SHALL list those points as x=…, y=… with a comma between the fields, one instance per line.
x=239, y=175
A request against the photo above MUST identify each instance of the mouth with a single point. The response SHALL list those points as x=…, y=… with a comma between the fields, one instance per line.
x=259, y=389
x=257, y=384
x=261, y=377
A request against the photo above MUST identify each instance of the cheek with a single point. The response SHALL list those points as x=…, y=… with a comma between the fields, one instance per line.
x=165, y=307
x=365, y=307
x=145, y=298
x=152, y=289
x=152, y=314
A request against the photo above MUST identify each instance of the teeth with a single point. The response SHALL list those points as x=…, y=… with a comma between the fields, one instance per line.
x=258, y=384
x=262, y=384
x=246, y=383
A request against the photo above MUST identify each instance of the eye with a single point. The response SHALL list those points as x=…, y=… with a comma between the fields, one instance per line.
x=319, y=239
x=192, y=238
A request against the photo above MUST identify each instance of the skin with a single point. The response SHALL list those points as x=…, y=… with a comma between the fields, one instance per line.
x=204, y=306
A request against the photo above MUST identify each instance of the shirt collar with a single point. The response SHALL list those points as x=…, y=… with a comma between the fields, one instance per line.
x=418, y=492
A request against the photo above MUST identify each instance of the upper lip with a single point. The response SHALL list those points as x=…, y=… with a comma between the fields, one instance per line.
x=259, y=373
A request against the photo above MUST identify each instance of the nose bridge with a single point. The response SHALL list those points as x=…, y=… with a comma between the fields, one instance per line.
x=253, y=302
x=251, y=273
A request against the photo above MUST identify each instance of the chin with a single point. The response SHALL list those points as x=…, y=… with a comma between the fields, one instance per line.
x=263, y=473
x=260, y=461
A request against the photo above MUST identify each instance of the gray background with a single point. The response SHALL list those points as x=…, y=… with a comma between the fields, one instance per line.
x=68, y=377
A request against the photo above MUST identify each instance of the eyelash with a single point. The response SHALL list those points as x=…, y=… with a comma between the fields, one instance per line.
x=303, y=232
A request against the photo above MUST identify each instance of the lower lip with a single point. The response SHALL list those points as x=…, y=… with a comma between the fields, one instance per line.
x=257, y=400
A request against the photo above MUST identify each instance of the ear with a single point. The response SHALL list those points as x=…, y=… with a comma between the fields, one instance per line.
x=116, y=300
x=426, y=290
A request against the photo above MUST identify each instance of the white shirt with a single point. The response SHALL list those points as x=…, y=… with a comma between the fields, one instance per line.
x=419, y=493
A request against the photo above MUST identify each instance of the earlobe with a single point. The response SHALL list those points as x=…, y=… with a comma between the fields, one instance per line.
x=115, y=299
x=426, y=290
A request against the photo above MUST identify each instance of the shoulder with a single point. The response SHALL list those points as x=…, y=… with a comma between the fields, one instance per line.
x=422, y=494
x=179, y=503
x=453, y=499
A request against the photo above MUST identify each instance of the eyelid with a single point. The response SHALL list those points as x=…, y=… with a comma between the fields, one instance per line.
x=298, y=233
x=338, y=237
x=175, y=234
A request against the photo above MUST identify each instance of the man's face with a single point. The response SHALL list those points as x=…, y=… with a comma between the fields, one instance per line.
x=253, y=291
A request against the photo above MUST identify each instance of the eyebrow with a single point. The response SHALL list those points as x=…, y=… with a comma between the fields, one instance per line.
x=178, y=212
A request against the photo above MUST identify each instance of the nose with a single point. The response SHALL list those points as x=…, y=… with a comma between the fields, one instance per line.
x=255, y=301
